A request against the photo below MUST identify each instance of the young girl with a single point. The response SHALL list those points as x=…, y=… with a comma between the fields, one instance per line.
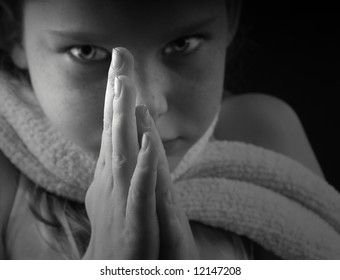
x=135, y=86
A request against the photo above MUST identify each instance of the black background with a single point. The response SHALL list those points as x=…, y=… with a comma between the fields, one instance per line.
x=293, y=53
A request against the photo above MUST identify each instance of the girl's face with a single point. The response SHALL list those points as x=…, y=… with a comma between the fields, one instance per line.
x=179, y=48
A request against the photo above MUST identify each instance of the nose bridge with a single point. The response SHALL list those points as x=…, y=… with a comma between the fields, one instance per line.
x=151, y=84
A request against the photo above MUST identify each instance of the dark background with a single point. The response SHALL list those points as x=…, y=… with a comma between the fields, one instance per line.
x=293, y=53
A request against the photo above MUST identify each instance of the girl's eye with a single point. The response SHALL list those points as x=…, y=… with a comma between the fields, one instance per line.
x=88, y=53
x=183, y=45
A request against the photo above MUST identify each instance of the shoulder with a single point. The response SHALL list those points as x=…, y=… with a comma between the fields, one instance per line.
x=266, y=121
x=8, y=186
x=266, y=113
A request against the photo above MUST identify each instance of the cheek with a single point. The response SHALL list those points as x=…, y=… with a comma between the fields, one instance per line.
x=200, y=90
x=74, y=105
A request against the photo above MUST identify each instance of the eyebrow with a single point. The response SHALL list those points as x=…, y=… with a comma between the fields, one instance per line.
x=185, y=28
x=90, y=36
x=83, y=36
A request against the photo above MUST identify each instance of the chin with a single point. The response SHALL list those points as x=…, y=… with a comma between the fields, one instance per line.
x=173, y=162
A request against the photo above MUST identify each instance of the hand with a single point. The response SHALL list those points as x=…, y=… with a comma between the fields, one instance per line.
x=176, y=238
x=131, y=203
x=121, y=201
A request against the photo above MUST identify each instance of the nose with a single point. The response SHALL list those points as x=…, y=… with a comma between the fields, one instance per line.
x=152, y=85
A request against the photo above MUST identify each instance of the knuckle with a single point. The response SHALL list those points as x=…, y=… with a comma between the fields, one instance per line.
x=121, y=120
x=138, y=195
x=145, y=169
x=118, y=160
x=107, y=128
x=99, y=190
x=117, y=117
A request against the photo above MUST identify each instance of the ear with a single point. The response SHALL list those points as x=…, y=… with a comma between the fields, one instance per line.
x=18, y=55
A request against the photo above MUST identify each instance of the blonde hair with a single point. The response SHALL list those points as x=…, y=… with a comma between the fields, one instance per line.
x=65, y=224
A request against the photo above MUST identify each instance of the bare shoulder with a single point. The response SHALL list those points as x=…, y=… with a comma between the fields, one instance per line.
x=268, y=122
x=8, y=186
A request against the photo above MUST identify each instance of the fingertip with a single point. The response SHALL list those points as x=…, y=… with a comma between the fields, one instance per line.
x=121, y=58
x=117, y=59
x=147, y=158
x=140, y=110
x=126, y=54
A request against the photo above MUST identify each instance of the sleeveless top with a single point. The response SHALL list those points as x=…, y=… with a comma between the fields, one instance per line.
x=24, y=240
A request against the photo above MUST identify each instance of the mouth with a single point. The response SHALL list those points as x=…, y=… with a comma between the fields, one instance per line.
x=170, y=145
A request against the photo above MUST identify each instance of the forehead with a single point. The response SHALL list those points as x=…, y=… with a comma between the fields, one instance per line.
x=128, y=13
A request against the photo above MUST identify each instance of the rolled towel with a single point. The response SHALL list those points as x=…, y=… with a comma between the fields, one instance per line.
x=241, y=188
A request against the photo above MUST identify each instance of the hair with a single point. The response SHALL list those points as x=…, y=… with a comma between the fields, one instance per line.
x=10, y=28
x=64, y=223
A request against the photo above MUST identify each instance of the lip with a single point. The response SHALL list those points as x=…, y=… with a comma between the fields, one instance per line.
x=170, y=145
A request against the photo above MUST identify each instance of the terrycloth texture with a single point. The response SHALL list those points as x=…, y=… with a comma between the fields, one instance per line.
x=39, y=151
x=265, y=196
x=248, y=190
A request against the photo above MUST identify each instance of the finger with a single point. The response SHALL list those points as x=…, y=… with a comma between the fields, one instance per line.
x=143, y=183
x=142, y=126
x=105, y=153
x=124, y=136
x=177, y=241
x=121, y=63
x=141, y=216
x=170, y=227
x=174, y=226
x=171, y=232
x=166, y=193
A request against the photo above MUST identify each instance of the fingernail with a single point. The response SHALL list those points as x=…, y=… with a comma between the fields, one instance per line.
x=145, y=142
x=146, y=117
x=117, y=87
x=117, y=59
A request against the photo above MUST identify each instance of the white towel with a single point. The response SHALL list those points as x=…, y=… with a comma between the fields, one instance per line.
x=242, y=188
